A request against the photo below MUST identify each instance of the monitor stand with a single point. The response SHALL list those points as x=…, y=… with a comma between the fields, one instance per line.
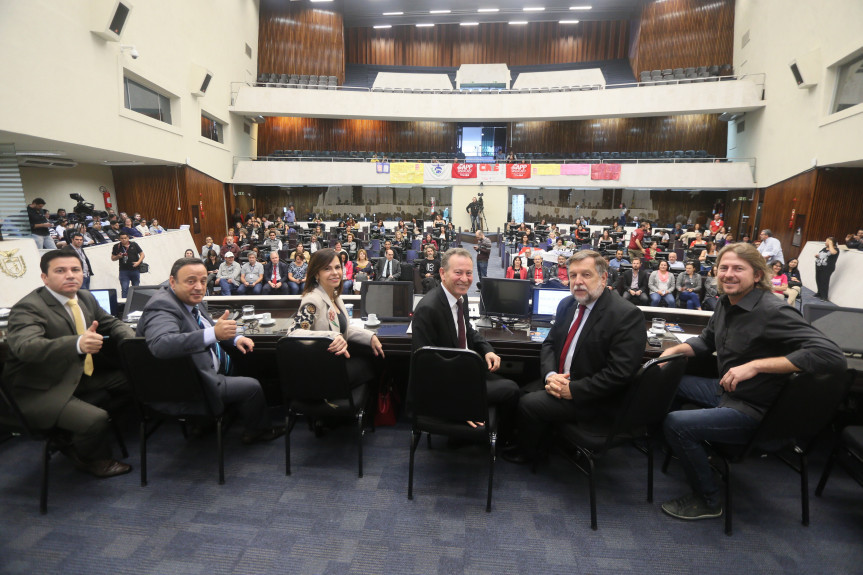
x=483, y=322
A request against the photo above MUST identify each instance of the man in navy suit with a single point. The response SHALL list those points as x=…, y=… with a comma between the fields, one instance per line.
x=587, y=360
x=436, y=322
x=175, y=323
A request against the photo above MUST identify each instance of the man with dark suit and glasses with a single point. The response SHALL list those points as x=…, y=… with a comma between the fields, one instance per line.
x=55, y=334
x=175, y=323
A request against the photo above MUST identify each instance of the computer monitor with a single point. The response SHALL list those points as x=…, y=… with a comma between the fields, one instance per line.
x=138, y=297
x=391, y=301
x=505, y=298
x=418, y=297
x=545, y=302
x=840, y=324
x=107, y=299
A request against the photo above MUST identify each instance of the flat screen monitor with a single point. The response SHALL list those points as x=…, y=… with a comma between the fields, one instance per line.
x=840, y=324
x=418, y=297
x=545, y=302
x=107, y=299
x=138, y=297
x=506, y=298
x=391, y=301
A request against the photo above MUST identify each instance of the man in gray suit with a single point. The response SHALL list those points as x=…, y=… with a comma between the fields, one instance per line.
x=55, y=334
x=175, y=323
x=389, y=269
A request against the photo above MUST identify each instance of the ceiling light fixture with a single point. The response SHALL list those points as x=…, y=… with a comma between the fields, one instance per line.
x=393, y=13
x=484, y=10
x=568, y=22
x=580, y=7
x=439, y=11
x=518, y=22
x=382, y=26
x=316, y=1
x=469, y=24
x=534, y=8
x=424, y=25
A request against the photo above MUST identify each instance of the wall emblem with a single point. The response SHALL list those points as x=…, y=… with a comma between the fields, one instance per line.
x=12, y=265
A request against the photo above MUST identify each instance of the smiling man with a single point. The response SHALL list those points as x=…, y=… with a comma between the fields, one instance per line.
x=587, y=360
x=757, y=340
x=441, y=319
x=55, y=334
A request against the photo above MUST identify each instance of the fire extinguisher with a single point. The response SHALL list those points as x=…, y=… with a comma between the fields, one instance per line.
x=106, y=195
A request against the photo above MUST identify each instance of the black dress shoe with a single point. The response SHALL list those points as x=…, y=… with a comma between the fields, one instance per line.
x=262, y=435
x=103, y=468
x=515, y=456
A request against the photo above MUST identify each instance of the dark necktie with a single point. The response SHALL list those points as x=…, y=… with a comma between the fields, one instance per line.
x=222, y=357
x=462, y=336
x=570, y=336
x=387, y=270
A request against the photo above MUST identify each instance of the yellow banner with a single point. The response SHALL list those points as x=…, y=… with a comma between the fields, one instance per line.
x=545, y=170
x=406, y=173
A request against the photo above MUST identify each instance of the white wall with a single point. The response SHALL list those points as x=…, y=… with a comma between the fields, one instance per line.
x=794, y=130
x=55, y=185
x=62, y=83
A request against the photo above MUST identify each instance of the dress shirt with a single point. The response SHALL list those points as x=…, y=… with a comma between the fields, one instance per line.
x=83, y=262
x=568, y=361
x=453, y=305
x=63, y=299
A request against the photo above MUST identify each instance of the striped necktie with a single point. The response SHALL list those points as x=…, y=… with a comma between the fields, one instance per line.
x=220, y=354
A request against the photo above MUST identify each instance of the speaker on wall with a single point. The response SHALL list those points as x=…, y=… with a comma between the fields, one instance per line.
x=109, y=18
x=805, y=69
x=199, y=80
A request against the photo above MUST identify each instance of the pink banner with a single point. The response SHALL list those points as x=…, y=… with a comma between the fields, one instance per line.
x=605, y=171
x=518, y=171
x=575, y=169
x=463, y=171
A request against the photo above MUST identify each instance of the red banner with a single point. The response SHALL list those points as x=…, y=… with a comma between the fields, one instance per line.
x=518, y=171
x=605, y=171
x=463, y=171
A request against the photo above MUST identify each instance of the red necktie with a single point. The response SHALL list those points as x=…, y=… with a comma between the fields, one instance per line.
x=462, y=338
x=275, y=269
x=570, y=336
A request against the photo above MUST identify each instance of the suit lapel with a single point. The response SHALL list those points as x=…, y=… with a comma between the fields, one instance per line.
x=592, y=319
x=58, y=309
x=453, y=334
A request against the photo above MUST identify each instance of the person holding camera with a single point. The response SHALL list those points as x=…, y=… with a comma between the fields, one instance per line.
x=131, y=256
x=474, y=208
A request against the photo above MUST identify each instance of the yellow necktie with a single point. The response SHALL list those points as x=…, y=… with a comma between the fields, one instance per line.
x=79, y=329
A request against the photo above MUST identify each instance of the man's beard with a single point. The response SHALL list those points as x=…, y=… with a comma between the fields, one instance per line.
x=591, y=296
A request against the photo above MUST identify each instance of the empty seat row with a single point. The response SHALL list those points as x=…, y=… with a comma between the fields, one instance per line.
x=676, y=156
x=685, y=75
x=359, y=156
x=312, y=81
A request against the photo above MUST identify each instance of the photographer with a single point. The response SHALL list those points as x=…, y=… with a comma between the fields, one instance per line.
x=483, y=249
x=474, y=208
x=130, y=256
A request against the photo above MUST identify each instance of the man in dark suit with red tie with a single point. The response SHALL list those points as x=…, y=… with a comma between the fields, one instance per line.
x=588, y=358
x=441, y=319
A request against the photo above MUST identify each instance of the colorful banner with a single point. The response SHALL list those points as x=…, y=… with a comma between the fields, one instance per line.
x=463, y=171
x=575, y=169
x=518, y=171
x=545, y=169
x=491, y=173
x=437, y=171
x=605, y=171
x=406, y=173
x=382, y=168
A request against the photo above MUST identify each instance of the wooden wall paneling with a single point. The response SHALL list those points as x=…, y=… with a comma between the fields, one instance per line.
x=209, y=194
x=837, y=207
x=779, y=199
x=453, y=45
x=682, y=33
x=296, y=39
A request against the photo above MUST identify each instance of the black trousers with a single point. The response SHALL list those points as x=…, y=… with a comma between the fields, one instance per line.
x=822, y=279
x=88, y=423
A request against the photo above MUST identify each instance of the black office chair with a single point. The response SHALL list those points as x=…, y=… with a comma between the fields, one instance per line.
x=169, y=390
x=13, y=421
x=848, y=453
x=804, y=408
x=445, y=390
x=643, y=409
x=326, y=394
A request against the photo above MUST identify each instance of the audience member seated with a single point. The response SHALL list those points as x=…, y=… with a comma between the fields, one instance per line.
x=98, y=235
x=208, y=247
x=795, y=283
x=350, y=246
x=854, y=241
x=272, y=242
x=617, y=260
x=698, y=240
x=536, y=273
x=674, y=264
x=516, y=270
x=688, y=286
x=559, y=276
x=401, y=242
x=429, y=269
x=155, y=228
x=251, y=276
x=778, y=280
x=141, y=226
x=633, y=284
x=661, y=286
x=275, y=276
x=711, y=291
x=297, y=275
x=388, y=268
x=364, y=270
x=212, y=262
x=347, y=273
x=130, y=229
x=428, y=240
x=770, y=248
x=229, y=275
x=300, y=251
x=315, y=244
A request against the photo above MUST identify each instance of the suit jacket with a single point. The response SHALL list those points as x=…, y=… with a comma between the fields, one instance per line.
x=546, y=273
x=87, y=261
x=433, y=325
x=379, y=269
x=313, y=319
x=607, y=355
x=268, y=272
x=625, y=280
x=171, y=331
x=44, y=367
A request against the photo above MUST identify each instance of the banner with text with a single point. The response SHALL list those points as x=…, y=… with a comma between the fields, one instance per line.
x=463, y=171
x=491, y=173
x=406, y=173
x=545, y=169
x=382, y=168
x=575, y=169
x=605, y=171
x=518, y=171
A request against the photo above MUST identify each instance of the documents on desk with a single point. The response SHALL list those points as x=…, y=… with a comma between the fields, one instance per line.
x=684, y=337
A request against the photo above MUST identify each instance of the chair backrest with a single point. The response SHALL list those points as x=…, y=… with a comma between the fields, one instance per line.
x=805, y=406
x=650, y=394
x=447, y=383
x=11, y=416
x=321, y=374
x=163, y=381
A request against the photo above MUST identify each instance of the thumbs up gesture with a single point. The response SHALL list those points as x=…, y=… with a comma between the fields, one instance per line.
x=225, y=328
x=91, y=341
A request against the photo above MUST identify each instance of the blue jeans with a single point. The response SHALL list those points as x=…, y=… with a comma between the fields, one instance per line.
x=348, y=287
x=226, y=286
x=482, y=268
x=243, y=289
x=686, y=430
x=295, y=288
x=691, y=299
x=667, y=298
x=44, y=242
x=127, y=277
